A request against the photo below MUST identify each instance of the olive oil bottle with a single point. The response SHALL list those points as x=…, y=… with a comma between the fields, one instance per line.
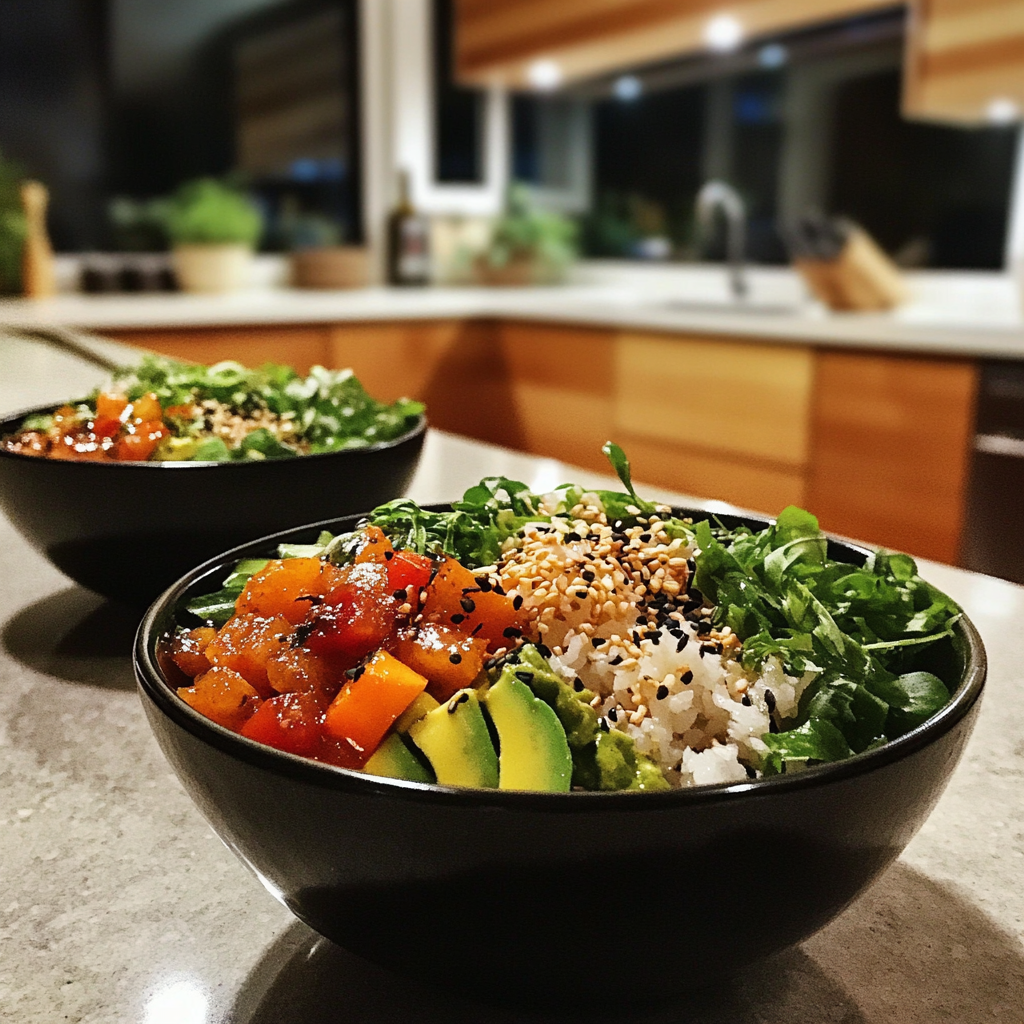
x=408, y=240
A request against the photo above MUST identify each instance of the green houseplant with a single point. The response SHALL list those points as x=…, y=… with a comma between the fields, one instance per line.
x=12, y=227
x=527, y=245
x=213, y=229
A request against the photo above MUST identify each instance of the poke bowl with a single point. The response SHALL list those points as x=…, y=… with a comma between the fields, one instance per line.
x=128, y=529
x=522, y=896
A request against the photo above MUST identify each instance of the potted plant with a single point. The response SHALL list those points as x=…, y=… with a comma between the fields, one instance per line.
x=12, y=227
x=527, y=245
x=213, y=229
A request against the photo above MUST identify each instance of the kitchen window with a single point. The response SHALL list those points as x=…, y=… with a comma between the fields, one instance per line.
x=809, y=121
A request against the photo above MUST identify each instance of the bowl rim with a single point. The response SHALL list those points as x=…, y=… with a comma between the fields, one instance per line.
x=418, y=429
x=158, y=691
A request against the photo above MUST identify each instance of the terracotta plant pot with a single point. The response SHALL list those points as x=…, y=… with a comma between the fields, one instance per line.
x=334, y=266
x=213, y=269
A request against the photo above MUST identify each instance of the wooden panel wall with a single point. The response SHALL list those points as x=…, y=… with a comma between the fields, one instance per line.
x=962, y=55
x=587, y=37
x=891, y=449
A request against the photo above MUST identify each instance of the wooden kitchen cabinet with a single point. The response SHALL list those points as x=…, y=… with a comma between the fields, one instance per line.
x=298, y=346
x=890, y=451
x=877, y=445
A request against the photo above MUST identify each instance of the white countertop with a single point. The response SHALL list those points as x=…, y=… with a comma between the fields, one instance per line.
x=961, y=314
x=118, y=905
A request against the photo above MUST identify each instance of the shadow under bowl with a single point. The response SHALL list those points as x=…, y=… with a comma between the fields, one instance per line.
x=558, y=900
x=128, y=530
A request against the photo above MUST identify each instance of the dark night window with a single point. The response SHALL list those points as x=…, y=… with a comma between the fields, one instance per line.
x=458, y=111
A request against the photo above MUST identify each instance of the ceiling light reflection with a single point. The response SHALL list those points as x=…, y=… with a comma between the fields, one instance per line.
x=544, y=75
x=772, y=55
x=628, y=88
x=723, y=33
x=1002, y=110
x=182, y=1002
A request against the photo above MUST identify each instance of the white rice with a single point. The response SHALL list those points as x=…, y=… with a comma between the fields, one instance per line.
x=687, y=703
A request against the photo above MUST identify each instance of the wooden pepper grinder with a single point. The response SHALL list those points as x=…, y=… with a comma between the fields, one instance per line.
x=37, y=270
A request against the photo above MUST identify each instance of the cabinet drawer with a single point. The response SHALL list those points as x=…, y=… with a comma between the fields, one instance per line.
x=750, y=401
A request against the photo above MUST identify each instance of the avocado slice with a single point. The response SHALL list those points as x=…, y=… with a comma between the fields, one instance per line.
x=421, y=705
x=394, y=760
x=457, y=742
x=601, y=759
x=533, y=751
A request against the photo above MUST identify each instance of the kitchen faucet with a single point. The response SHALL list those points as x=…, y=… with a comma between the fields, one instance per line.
x=715, y=195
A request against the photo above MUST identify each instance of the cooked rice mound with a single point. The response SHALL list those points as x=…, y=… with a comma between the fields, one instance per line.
x=614, y=604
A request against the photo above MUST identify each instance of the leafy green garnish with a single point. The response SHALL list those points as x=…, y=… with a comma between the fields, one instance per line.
x=329, y=409
x=856, y=628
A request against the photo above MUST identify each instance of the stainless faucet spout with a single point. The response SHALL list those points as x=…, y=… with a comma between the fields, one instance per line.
x=717, y=195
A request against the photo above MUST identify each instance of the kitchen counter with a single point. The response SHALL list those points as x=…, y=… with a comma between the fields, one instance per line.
x=118, y=905
x=950, y=313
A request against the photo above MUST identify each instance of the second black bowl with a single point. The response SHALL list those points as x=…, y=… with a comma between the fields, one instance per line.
x=128, y=530
x=557, y=897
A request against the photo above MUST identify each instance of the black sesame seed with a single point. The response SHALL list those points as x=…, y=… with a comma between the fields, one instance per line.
x=388, y=555
x=686, y=678
x=477, y=628
x=453, y=704
x=588, y=575
x=573, y=537
x=400, y=595
x=511, y=632
x=581, y=594
x=497, y=588
x=544, y=652
x=455, y=659
x=517, y=602
x=745, y=701
x=613, y=715
x=636, y=637
x=769, y=699
x=641, y=620
x=604, y=724
x=703, y=627
x=458, y=617
x=662, y=692
x=597, y=641
x=524, y=676
x=709, y=649
x=654, y=637
x=617, y=660
x=468, y=605
x=484, y=584
x=751, y=773
x=577, y=685
x=645, y=538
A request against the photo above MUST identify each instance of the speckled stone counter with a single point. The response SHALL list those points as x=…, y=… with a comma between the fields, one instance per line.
x=119, y=906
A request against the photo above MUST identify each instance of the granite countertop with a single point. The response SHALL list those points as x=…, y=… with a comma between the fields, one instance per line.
x=951, y=314
x=119, y=906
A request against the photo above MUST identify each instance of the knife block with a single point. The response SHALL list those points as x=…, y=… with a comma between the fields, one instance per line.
x=861, y=278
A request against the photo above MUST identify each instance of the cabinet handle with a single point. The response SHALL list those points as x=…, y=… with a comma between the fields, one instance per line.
x=998, y=444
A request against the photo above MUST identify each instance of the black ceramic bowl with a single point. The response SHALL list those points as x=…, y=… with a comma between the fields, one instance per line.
x=543, y=898
x=128, y=530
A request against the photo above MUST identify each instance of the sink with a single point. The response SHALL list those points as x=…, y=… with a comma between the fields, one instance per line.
x=731, y=306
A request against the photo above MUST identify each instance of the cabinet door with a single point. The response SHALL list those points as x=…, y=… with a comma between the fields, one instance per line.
x=455, y=366
x=300, y=347
x=891, y=449
x=716, y=418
